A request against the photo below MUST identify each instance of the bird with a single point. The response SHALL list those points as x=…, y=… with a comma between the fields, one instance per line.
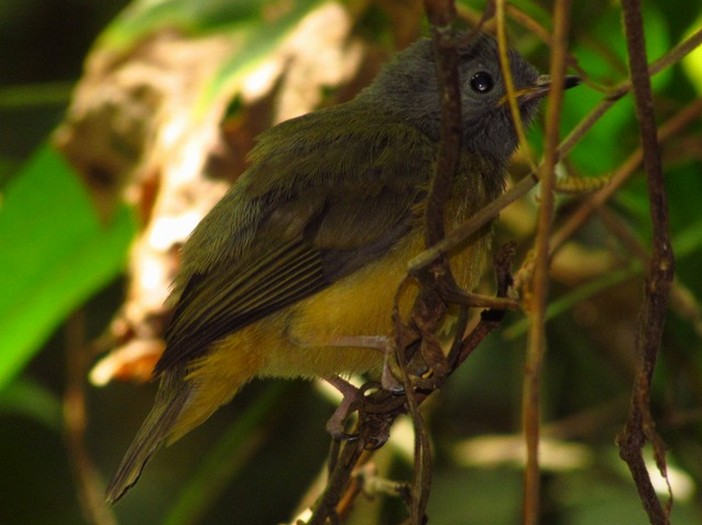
x=305, y=253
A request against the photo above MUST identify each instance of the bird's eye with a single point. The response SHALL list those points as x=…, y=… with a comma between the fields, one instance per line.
x=482, y=82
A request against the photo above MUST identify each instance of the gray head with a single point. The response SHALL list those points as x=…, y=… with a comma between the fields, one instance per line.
x=407, y=86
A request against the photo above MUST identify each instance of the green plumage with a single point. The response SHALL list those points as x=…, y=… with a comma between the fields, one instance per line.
x=329, y=196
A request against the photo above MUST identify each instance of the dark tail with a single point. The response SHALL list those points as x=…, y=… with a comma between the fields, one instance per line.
x=172, y=396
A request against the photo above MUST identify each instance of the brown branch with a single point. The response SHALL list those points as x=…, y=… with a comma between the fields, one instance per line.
x=441, y=15
x=476, y=221
x=340, y=470
x=88, y=485
x=506, y=71
x=640, y=426
x=421, y=481
x=536, y=347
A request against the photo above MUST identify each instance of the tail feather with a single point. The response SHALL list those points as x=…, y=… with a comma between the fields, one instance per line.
x=172, y=398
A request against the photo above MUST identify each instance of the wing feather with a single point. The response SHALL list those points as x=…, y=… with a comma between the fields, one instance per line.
x=341, y=204
x=212, y=308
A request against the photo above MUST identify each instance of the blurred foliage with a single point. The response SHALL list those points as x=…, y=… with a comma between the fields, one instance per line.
x=55, y=269
x=256, y=459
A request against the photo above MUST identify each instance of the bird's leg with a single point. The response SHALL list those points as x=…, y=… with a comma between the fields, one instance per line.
x=354, y=398
x=379, y=342
x=352, y=401
x=453, y=294
x=377, y=408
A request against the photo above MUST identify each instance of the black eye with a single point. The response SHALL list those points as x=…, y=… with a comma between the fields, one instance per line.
x=482, y=82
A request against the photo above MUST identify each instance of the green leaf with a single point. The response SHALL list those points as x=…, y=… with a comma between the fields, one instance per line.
x=193, y=17
x=54, y=253
x=602, y=54
x=199, y=18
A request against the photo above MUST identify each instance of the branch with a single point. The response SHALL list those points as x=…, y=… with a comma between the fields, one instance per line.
x=615, y=94
x=536, y=348
x=506, y=71
x=640, y=426
x=441, y=15
x=88, y=485
x=670, y=128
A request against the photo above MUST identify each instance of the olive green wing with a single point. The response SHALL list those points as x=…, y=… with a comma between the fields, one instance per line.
x=299, y=246
x=337, y=208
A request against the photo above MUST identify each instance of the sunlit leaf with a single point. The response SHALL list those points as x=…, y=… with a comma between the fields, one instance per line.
x=693, y=62
x=55, y=254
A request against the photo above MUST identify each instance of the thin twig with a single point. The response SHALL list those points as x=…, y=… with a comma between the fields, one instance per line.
x=671, y=128
x=506, y=71
x=441, y=14
x=421, y=482
x=476, y=221
x=640, y=426
x=351, y=451
x=531, y=412
x=616, y=93
x=88, y=484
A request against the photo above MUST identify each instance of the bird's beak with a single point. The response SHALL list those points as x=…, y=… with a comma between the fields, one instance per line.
x=541, y=88
x=543, y=85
